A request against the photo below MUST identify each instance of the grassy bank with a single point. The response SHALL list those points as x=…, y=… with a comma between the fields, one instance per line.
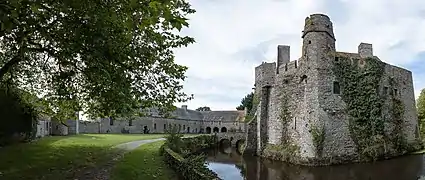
x=144, y=163
x=54, y=158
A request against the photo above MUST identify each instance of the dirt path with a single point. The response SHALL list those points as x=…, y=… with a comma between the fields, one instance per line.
x=102, y=171
x=134, y=144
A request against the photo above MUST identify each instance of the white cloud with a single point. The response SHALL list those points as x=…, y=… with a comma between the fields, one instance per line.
x=235, y=36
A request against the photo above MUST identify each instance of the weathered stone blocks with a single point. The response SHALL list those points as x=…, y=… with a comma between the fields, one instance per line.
x=320, y=114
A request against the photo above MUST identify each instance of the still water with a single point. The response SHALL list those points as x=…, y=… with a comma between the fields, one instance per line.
x=230, y=165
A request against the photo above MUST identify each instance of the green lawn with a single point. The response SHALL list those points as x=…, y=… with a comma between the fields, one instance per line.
x=144, y=163
x=61, y=158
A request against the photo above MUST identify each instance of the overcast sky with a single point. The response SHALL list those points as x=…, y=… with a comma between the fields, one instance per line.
x=234, y=36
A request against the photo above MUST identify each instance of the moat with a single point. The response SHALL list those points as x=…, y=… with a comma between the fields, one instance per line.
x=230, y=165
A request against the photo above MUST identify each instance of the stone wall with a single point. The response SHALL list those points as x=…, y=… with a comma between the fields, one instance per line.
x=155, y=125
x=304, y=106
x=43, y=128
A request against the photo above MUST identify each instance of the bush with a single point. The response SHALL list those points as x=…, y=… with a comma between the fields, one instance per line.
x=179, y=155
x=19, y=118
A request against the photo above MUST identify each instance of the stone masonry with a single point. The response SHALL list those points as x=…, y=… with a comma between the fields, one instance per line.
x=184, y=119
x=309, y=90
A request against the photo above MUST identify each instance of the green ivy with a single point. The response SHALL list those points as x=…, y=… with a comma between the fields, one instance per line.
x=180, y=155
x=284, y=117
x=360, y=91
x=397, y=136
x=318, y=138
x=255, y=101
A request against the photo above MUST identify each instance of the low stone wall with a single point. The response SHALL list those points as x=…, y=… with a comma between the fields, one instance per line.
x=185, y=166
x=181, y=165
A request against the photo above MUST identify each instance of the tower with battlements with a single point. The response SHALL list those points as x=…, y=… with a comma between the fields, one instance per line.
x=330, y=107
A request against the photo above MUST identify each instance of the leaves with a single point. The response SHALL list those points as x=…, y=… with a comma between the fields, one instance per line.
x=205, y=108
x=108, y=58
x=246, y=102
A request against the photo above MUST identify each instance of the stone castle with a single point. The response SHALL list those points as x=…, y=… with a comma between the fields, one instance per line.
x=331, y=107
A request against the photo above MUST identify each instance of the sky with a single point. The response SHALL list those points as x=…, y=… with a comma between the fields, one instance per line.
x=234, y=36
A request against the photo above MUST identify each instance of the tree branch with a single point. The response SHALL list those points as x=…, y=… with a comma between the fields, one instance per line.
x=6, y=68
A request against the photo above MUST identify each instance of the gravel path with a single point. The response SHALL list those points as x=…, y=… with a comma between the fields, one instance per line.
x=134, y=144
x=102, y=172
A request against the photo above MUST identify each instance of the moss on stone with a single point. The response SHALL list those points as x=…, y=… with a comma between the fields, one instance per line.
x=285, y=153
x=318, y=135
x=284, y=117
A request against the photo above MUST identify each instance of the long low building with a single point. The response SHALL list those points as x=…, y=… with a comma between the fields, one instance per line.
x=184, y=119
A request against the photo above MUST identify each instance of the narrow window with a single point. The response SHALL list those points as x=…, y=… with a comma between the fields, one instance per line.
x=309, y=42
x=295, y=122
x=130, y=122
x=395, y=92
x=184, y=127
x=154, y=126
x=165, y=126
x=286, y=67
x=296, y=64
x=303, y=79
x=111, y=121
x=336, y=88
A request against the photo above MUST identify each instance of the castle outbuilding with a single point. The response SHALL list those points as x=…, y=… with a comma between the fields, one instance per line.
x=330, y=107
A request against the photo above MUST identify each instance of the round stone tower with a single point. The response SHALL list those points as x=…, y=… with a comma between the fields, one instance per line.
x=318, y=38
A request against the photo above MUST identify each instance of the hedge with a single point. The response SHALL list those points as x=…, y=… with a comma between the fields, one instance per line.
x=188, y=165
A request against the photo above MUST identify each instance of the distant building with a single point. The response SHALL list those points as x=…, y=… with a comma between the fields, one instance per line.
x=186, y=120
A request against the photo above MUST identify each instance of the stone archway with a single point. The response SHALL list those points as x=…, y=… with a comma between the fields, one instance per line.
x=216, y=130
x=208, y=130
x=223, y=129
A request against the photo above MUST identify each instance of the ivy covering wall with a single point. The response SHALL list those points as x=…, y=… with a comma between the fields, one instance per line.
x=360, y=81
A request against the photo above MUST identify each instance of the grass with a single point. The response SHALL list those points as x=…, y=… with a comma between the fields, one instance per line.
x=144, y=163
x=54, y=158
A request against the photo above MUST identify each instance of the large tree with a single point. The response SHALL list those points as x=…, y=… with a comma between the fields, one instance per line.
x=108, y=58
x=246, y=102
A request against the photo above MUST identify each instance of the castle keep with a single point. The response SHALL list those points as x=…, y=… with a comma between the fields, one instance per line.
x=331, y=107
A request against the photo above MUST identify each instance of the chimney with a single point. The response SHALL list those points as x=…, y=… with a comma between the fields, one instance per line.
x=365, y=50
x=184, y=107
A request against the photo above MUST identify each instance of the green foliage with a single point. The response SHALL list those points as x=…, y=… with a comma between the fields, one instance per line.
x=108, y=58
x=184, y=161
x=360, y=91
x=247, y=102
x=174, y=139
x=205, y=108
x=19, y=117
x=253, y=108
x=318, y=134
x=282, y=152
x=360, y=87
x=397, y=136
x=284, y=117
x=421, y=111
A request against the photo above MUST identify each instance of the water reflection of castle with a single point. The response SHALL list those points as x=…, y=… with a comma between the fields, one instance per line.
x=253, y=168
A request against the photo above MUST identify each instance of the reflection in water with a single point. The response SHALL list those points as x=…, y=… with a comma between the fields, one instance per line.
x=230, y=165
